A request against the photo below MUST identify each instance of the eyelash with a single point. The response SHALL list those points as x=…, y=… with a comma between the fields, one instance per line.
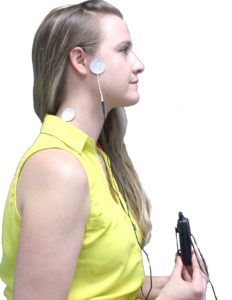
x=125, y=50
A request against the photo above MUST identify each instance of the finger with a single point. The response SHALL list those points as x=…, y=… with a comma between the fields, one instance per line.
x=197, y=273
x=187, y=273
x=202, y=263
x=195, y=263
x=178, y=267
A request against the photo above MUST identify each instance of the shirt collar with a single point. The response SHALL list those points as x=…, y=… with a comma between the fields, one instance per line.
x=67, y=133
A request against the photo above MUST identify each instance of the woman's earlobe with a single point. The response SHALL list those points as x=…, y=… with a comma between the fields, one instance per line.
x=77, y=58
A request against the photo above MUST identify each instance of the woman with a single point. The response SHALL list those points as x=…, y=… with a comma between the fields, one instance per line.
x=77, y=217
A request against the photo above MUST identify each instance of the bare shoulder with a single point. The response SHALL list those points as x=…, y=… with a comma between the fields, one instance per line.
x=52, y=174
x=56, y=162
x=53, y=199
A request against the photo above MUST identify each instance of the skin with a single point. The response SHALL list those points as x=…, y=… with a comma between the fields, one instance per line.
x=182, y=286
x=51, y=239
x=185, y=283
x=158, y=282
x=120, y=79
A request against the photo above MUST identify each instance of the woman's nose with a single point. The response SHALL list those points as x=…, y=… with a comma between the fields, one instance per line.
x=138, y=66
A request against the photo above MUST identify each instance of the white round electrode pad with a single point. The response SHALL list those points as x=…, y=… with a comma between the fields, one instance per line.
x=97, y=66
x=68, y=114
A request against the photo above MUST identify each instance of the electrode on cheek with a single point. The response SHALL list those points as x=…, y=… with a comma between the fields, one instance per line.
x=97, y=66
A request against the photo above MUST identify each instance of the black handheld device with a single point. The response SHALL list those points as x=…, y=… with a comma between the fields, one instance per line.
x=186, y=243
x=183, y=238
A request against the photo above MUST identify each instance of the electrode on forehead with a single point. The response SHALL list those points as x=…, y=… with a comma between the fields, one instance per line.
x=97, y=66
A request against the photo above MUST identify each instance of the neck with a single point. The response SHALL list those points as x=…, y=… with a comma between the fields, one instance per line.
x=86, y=101
x=89, y=117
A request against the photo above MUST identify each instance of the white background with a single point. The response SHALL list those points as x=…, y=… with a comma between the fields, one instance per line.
x=179, y=135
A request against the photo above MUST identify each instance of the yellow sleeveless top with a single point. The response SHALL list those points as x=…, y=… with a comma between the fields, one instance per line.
x=110, y=262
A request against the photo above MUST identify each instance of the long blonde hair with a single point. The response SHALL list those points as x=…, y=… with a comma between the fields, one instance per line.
x=63, y=29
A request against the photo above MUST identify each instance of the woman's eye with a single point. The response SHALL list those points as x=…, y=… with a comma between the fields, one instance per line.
x=124, y=50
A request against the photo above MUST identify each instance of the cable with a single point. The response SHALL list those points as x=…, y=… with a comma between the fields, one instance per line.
x=102, y=99
x=111, y=184
x=134, y=229
x=205, y=269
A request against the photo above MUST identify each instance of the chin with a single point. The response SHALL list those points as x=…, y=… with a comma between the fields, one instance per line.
x=125, y=101
x=132, y=101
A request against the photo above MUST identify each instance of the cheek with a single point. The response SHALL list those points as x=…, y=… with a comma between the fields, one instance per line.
x=117, y=77
x=115, y=80
x=117, y=68
x=115, y=86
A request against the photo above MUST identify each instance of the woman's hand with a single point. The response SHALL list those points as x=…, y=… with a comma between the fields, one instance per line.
x=185, y=285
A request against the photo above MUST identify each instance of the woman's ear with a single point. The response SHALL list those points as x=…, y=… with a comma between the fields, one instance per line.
x=78, y=60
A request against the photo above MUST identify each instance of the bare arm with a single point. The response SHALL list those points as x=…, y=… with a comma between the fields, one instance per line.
x=158, y=283
x=53, y=198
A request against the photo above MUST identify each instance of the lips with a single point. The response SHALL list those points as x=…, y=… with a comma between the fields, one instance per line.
x=134, y=81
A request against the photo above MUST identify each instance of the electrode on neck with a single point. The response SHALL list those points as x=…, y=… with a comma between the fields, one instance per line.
x=68, y=114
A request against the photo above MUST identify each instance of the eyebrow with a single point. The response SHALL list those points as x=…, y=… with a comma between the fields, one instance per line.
x=124, y=43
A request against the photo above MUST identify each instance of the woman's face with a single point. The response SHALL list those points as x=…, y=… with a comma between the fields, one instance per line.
x=119, y=82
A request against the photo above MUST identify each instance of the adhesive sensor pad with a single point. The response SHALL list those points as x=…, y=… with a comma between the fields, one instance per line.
x=97, y=66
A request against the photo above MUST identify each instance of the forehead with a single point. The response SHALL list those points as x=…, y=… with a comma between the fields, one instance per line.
x=114, y=29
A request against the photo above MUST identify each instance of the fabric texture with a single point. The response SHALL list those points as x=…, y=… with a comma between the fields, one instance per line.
x=110, y=262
